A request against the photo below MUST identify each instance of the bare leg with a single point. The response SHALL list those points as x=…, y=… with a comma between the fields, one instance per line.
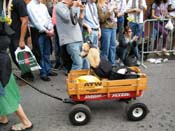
x=25, y=122
x=3, y=119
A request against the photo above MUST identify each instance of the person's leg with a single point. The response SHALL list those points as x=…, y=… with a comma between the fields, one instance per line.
x=41, y=43
x=25, y=122
x=47, y=62
x=139, y=29
x=105, y=42
x=112, y=47
x=123, y=53
x=120, y=28
x=94, y=38
x=57, y=49
x=66, y=59
x=133, y=28
x=35, y=46
x=164, y=32
x=73, y=50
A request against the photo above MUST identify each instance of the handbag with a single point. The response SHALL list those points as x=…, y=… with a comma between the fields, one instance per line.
x=169, y=25
x=26, y=60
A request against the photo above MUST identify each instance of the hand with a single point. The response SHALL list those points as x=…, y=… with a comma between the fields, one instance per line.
x=22, y=44
x=89, y=30
x=50, y=32
x=77, y=3
x=135, y=38
x=82, y=7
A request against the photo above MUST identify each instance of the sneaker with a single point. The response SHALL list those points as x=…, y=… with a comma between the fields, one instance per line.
x=165, y=60
x=52, y=74
x=174, y=53
x=165, y=52
x=28, y=76
x=158, y=61
x=138, y=63
x=45, y=78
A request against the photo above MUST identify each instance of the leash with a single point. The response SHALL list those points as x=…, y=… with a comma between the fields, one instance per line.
x=67, y=100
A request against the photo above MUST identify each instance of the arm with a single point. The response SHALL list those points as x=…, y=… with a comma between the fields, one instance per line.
x=103, y=15
x=63, y=13
x=153, y=12
x=169, y=7
x=24, y=25
x=88, y=28
x=144, y=6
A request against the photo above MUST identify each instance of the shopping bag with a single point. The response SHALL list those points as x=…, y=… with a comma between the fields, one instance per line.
x=2, y=92
x=26, y=60
x=169, y=25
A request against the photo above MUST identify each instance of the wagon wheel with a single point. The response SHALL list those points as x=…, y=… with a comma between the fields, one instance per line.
x=136, y=111
x=80, y=114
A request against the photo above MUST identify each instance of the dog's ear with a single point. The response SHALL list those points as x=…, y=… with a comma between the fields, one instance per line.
x=85, y=50
x=94, y=57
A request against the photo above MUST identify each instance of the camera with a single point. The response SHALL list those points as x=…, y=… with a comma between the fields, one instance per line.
x=83, y=2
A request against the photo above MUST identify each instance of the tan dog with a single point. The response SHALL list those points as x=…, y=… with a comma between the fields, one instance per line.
x=92, y=53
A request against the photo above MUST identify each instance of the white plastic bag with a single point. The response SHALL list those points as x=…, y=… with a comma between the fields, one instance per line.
x=26, y=60
x=169, y=25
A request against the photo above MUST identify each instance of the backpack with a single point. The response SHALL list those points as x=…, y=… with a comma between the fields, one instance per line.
x=123, y=72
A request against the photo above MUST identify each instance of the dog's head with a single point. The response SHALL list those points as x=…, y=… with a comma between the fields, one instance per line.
x=94, y=57
x=85, y=49
x=92, y=53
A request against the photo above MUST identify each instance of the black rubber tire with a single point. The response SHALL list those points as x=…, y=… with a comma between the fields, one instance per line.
x=77, y=111
x=134, y=109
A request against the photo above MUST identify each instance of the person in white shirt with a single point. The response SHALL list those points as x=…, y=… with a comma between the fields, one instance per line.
x=40, y=20
x=135, y=10
x=171, y=10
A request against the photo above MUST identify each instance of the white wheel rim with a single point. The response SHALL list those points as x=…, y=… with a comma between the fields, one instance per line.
x=137, y=112
x=80, y=116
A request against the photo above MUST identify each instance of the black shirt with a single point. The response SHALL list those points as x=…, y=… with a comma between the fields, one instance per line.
x=18, y=10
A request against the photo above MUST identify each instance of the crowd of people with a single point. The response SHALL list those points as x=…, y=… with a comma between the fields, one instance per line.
x=114, y=26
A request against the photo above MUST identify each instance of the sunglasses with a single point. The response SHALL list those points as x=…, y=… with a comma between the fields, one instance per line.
x=129, y=30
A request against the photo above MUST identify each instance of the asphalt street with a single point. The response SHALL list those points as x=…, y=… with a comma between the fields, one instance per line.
x=48, y=114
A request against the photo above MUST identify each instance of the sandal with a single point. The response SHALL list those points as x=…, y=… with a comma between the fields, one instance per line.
x=3, y=124
x=20, y=127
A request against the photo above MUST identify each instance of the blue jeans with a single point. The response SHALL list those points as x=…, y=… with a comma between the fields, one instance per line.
x=44, y=46
x=122, y=52
x=94, y=38
x=74, y=50
x=136, y=30
x=120, y=26
x=108, y=44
